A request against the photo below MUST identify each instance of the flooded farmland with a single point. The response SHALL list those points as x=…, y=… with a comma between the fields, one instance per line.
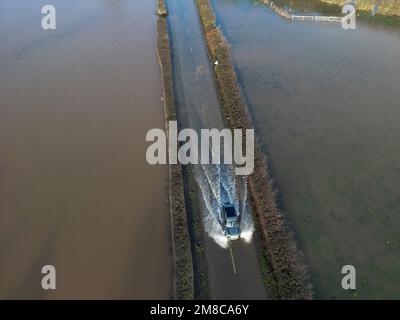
x=75, y=189
x=325, y=102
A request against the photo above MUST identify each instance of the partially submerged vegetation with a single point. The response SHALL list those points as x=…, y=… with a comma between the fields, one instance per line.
x=383, y=7
x=389, y=21
x=161, y=9
x=183, y=286
x=283, y=266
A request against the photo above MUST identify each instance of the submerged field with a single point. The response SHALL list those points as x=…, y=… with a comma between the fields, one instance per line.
x=76, y=191
x=325, y=105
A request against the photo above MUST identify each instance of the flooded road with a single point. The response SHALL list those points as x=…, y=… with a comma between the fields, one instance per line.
x=230, y=277
x=325, y=102
x=75, y=189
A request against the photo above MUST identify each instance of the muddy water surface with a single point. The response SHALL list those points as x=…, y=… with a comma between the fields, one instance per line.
x=75, y=189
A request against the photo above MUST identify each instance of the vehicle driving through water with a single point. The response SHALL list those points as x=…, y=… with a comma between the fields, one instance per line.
x=231, y=221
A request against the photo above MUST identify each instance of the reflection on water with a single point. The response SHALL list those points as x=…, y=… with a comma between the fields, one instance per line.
x=326, y=106
x=198, y=108
x=75, y=190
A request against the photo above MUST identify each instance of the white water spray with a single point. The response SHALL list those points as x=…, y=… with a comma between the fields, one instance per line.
x=219, y=185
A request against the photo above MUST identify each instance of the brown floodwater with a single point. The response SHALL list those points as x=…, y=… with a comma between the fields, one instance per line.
x=75, y=189
x=325, y=103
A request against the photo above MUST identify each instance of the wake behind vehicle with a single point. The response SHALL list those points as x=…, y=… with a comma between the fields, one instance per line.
x=231, y=221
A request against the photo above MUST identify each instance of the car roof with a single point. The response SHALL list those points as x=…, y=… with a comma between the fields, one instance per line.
x=230, y=211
